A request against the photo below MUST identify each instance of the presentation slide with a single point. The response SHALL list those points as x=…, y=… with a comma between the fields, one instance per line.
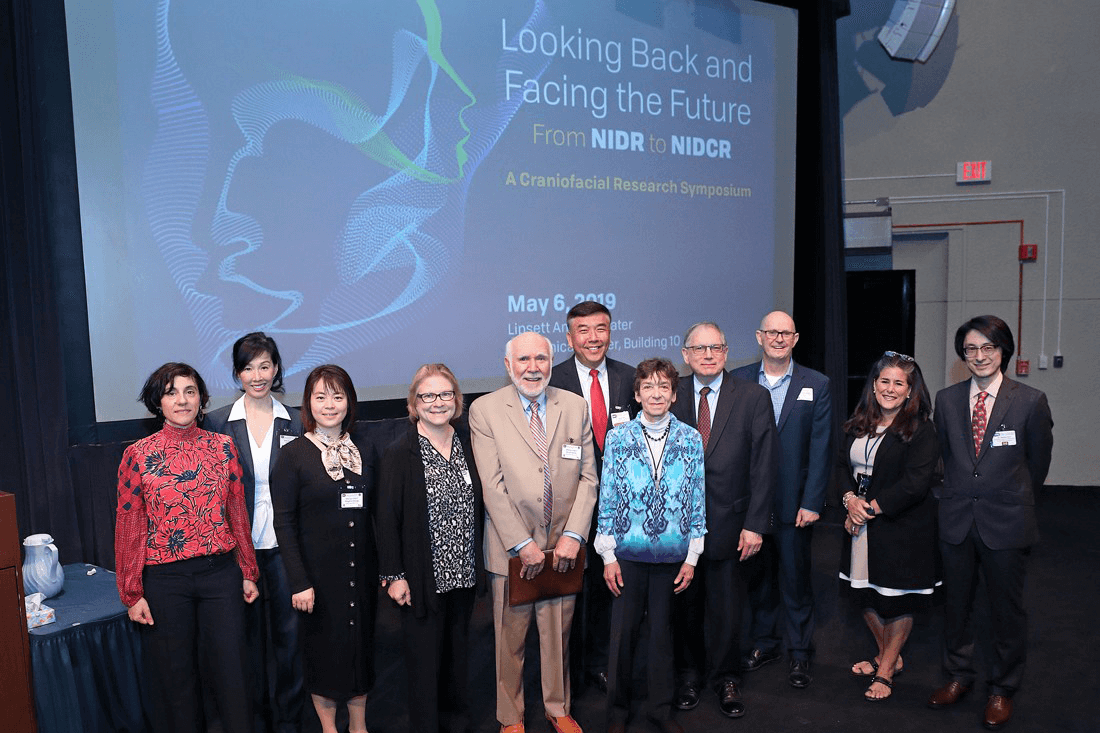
x=383, y=184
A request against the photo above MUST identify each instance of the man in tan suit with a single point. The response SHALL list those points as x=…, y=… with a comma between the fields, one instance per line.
x=533, y=448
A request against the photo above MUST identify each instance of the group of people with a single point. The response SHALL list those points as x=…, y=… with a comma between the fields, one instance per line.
x=685, y=498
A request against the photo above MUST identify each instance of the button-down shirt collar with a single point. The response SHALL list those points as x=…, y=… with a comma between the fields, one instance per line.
x=712, y=397
x=778, y=390
x=585, y=375
x=990, y=392
x=526, y=402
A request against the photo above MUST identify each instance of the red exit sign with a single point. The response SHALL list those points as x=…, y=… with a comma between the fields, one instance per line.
x=974, y=171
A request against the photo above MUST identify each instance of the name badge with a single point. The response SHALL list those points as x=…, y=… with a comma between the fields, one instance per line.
x=1004, y=437
x=572, y=451
x=351, y=499
x=284, y=439
x=807, y=393
x=619, y=418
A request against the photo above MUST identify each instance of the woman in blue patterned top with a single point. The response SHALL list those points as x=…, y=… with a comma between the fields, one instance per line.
x=652, y=519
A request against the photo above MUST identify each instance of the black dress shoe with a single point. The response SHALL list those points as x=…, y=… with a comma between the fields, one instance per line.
x=756, y=659
x=597, y=680
x=688, y=696
x=800, y=676
x=729, y=700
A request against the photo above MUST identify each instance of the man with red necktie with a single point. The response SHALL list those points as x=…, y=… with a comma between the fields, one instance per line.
x=996, y=437
x=607, y=384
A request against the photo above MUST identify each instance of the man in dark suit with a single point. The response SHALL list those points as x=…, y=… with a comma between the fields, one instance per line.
x=589, y=373
x=740, y=455
x=780, y=592
x=996, y=436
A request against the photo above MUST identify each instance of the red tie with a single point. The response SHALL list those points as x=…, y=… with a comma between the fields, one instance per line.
x=977, y=423
x=704, y=415
x=599, y=409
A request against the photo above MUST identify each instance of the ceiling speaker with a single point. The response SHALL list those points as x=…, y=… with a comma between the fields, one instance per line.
x=914, y=28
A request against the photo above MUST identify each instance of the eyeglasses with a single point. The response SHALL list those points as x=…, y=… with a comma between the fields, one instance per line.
x=704, y=348
x=897, y=355
x=971, y=351
x=773, y=334
x=429, y=397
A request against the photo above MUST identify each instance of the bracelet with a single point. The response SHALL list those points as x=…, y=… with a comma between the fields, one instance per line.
x=846, y=498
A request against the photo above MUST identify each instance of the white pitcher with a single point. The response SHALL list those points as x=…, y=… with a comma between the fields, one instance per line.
x=42, y=573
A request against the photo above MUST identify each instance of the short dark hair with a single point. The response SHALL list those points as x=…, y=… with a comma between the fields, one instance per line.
x=659, y=366
x=251, y=345
x=994, y=329
x=917, y=409
x=432, y=370
x=160, y=381
x=336, y=379
x=586, y=308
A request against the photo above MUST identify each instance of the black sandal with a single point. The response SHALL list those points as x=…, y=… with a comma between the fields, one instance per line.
x=882, y=681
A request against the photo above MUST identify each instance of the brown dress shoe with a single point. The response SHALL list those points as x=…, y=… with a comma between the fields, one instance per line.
x=949, y=694
x=998, y=711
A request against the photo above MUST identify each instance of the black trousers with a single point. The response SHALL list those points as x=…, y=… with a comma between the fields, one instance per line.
x=780, y=593
x=275, y=663
x=647, y=589
x=714, y=598
x=196, y=604
x=1004, y=572
x=437, y=661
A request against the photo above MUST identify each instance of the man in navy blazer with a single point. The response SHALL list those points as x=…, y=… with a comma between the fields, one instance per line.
x=780, y=595
x=740, y=458
x=996, y=436
x=589, y=335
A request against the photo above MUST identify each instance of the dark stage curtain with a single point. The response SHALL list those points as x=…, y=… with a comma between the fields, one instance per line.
x=38, y=205
x=60, y=464
x=819, y=296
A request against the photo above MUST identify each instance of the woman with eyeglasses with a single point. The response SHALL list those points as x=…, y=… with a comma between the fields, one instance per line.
x=884, y=478
x=324, y=494
x=430, y=520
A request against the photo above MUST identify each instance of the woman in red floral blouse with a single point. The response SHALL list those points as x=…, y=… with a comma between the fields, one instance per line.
x=184, y=557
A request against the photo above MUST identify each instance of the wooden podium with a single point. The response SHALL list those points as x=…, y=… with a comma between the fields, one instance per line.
x=15, y=655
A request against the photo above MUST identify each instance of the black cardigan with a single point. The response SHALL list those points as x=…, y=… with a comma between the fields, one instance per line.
x=901, y=541
x=404, y=542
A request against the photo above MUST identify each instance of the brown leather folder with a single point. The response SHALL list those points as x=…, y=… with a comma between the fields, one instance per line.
x=547, y=584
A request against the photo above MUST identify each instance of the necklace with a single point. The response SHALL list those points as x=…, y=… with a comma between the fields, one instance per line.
x=656, y=460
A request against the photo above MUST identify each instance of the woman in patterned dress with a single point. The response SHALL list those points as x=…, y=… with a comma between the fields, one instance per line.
x=323, y=490
x=183, y=556
x=429, y=531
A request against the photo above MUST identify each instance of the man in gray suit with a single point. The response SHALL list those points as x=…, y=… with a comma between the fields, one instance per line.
x=533, y=448
x=996, y=436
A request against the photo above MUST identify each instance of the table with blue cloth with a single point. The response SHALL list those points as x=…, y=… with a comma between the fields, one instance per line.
x=87, y=665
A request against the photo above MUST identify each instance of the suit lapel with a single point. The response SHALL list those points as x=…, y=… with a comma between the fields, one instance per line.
x=516, y=406
x=238, y=430
x=553, y=416
x=722, y=411
x=1000, y=407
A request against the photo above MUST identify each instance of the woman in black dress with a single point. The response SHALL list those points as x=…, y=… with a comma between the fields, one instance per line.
x=429, y=539
x=885, y=472
x=323, y=488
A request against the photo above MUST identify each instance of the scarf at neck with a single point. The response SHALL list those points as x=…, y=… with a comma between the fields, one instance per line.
x=339, y=453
